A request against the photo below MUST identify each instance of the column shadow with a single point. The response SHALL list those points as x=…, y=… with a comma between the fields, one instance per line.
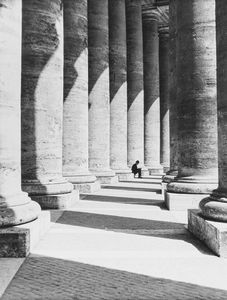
x=135, y=188
x=149, y=228
x=126, y=200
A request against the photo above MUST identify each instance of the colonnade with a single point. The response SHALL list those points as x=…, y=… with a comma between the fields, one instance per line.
x=100, y=85
x=74, y=111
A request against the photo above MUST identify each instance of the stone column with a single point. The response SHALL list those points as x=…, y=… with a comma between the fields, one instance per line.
x=210, y=224
x=118, y=88
x=215, y=206
x=15, y=206
x=75, y=117
x=99, y=99
x=151, y=92
x=164, y=97
x=42, y=104
x=173, y=115
x=135, y=82
x=197, y=109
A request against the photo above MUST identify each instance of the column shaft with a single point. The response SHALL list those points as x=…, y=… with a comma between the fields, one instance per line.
x=118, y=86
x=151, y=93
x=75, y=117
x=164, y=98
x=99, y=100
x=196, y=97
x=173, y=115
x=135, y=82
x=215, y=206
x=15, y=206
x=42, y=104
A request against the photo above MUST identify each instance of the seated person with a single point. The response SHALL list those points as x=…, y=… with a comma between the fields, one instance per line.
x=136, y=170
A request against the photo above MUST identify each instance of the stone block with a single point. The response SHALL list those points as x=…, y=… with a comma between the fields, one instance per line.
x=180, y=201
x=19, y=240
x=125, y=176
x=85, y=188
x=60, y=201
x=212, y=233
x=107, y=179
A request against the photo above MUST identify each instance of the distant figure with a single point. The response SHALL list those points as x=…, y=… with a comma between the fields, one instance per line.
x=136, y=170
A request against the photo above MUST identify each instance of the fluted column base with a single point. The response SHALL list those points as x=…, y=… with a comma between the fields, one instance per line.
x=213, y=234
x=170, y=176
x=84, y=182
x=185, y=193
x=18, y=241
x=18, y=210
x=51, y=194
x=214, y=207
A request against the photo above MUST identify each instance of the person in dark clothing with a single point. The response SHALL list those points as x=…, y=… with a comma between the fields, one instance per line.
x=136, y=170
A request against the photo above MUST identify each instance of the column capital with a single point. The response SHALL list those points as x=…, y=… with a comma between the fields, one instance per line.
x=151, y=15
x=164, y=31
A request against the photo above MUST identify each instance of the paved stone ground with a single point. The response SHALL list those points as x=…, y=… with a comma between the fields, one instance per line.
x=49, y=278
x=120, y=249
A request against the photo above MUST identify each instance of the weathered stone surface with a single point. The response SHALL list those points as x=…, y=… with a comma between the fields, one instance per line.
x=164, y=98
x=58, y=201
x=173, y=113
x=107, y=179
x=196, y=98
x=87, y=187
x=213, y=234
x=182, y=201
x=151, y=93
x=42, y=100
x=15, y=206
x=99, y=100
x=75, y=109
x=135, y=81
x=14, y=242
x=118, y=85
x=124, y=176
x=215, y=207
x=17, y=241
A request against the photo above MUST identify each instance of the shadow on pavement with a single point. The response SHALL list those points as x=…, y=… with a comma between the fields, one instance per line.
x=126, y=200
x=57, y=279
x=132, y=188
x=152, y=228
x=143, y=182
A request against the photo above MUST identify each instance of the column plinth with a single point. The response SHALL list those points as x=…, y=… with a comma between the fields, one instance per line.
x=42, y=105
x=75, y=111
x=196, y=105
x=15, y=206
x=99, y=99
x=135, y=87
